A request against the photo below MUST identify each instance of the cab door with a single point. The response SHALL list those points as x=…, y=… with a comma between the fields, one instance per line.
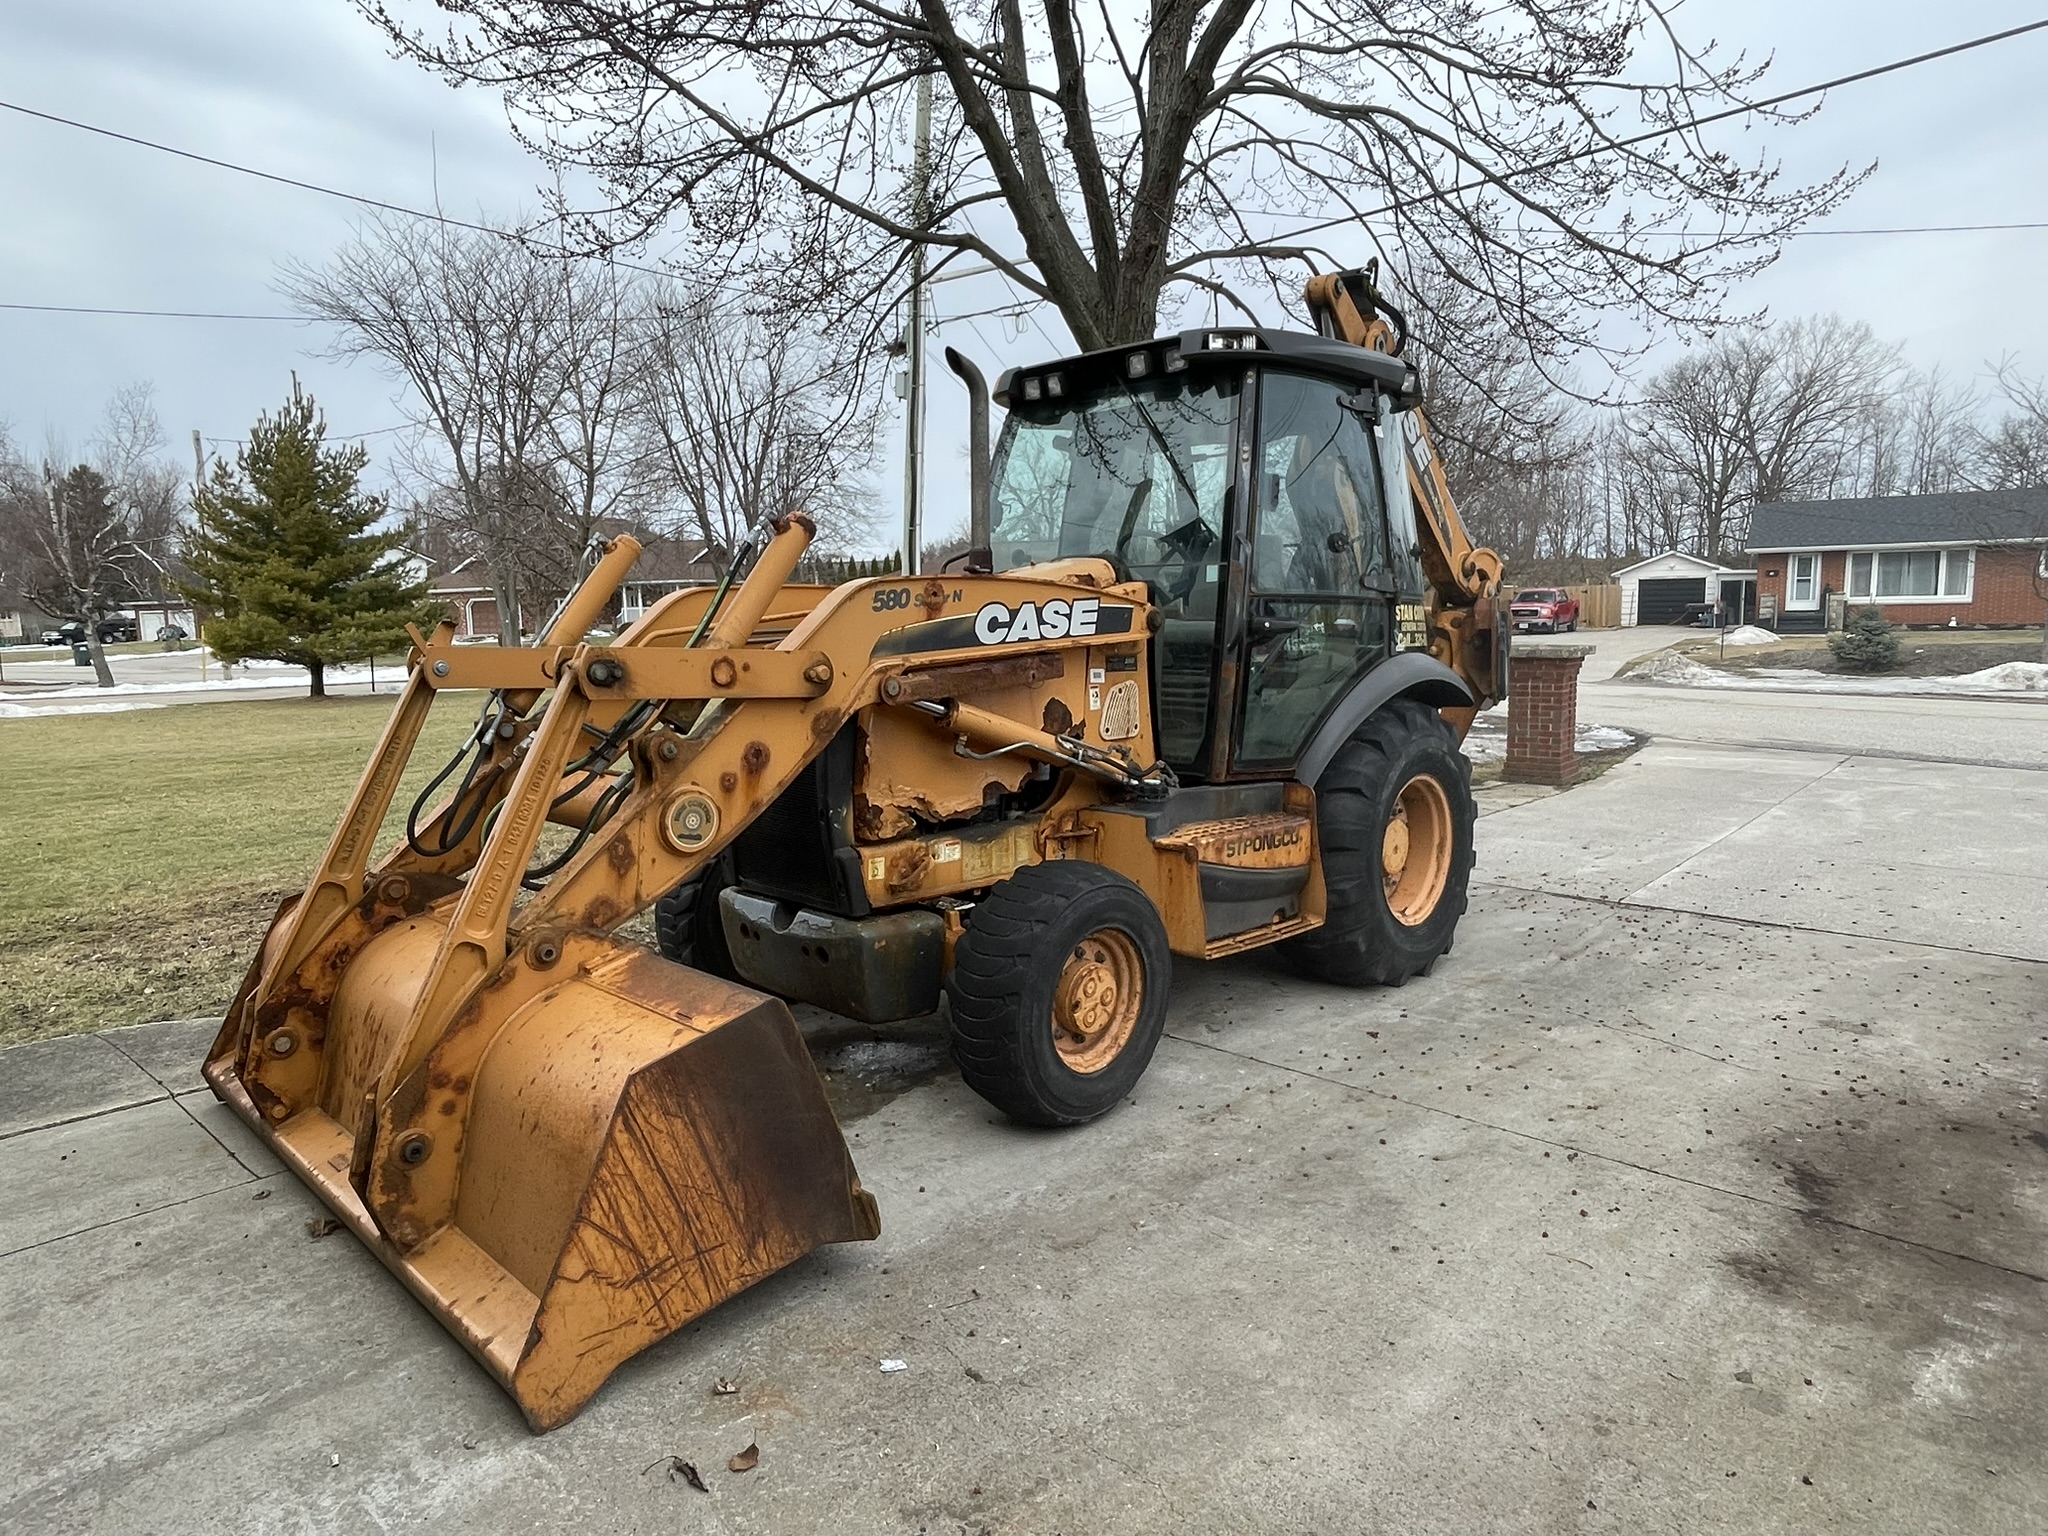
x=1322, y=582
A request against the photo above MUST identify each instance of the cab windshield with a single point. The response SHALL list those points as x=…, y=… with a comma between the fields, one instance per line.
x=1136, y=473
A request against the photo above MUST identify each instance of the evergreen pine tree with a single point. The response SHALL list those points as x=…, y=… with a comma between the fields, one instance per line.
x=287, y=556
x=1867, y=642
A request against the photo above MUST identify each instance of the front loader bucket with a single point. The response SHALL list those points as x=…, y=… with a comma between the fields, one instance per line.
x=602, y=1148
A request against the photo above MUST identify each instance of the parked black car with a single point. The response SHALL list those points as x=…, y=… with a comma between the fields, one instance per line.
x=112, y=630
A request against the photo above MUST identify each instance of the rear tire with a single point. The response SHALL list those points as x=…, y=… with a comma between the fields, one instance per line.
x=1394, y=895
x=687, y=925
x=1058, y=992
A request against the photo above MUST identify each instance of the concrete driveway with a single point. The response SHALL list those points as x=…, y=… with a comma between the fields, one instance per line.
x=1703, y=1188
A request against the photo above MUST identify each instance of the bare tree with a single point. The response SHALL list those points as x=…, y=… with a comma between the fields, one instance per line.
x=1777, y=414
x=85, y=540
x=1544, y=152
x=1924, y=438
x=489, y=334
x=744, y=417
x=2014, y=455
x=2013, y=452
x=602, y=473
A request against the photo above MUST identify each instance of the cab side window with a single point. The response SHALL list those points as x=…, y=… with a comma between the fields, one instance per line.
x=1319, y=613
x=1320, y=525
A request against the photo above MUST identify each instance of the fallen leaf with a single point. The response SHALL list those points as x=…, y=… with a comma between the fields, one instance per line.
x=724, y=1387
x=321, y=1226
x=746, y=1460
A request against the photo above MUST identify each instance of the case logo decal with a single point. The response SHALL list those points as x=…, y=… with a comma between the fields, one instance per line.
x=999, y=624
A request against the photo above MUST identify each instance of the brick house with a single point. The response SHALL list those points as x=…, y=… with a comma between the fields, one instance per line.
x=464, y=586
x=1975, y=558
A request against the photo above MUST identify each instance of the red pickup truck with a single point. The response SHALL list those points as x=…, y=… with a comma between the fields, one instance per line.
x=1547, y=608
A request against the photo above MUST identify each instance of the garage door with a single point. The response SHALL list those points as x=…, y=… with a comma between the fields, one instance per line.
x=1664, y=601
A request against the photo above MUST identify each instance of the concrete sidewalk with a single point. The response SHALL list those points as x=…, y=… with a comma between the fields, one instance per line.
x=1704, y=1188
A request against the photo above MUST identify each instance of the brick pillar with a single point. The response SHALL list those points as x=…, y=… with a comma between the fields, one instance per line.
x=1543, y=712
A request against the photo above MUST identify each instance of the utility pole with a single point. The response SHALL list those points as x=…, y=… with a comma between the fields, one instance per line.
x=199, y=484
x=913, y=424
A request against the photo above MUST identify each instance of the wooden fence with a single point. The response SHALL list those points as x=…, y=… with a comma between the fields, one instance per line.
x=1599, y=606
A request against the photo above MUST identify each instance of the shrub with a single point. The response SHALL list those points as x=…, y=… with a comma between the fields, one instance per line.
x=1867, y=643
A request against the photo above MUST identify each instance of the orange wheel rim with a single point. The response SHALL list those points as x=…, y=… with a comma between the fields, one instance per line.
x=1096, y=1002
x=1415, y=851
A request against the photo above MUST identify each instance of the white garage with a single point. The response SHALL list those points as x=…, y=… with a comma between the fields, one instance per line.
x=1669, y=588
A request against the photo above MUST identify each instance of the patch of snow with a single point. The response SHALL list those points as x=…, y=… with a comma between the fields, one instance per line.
x=120, y=690
x=1684, y=672
x=1602, y=738
x=1748, y=634
x=1671, y=667
x=118, y=706
x=2007, y=677
x=1487, y=741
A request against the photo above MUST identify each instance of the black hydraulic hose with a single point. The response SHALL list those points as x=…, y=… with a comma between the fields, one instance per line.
x=475, y=750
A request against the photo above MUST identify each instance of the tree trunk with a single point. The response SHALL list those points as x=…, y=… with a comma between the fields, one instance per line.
x=100, y=669
x=505, y=593
x=318, y=671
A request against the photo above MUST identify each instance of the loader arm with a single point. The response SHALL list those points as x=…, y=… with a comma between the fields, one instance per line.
x=1465, y=627
x=566, y=1146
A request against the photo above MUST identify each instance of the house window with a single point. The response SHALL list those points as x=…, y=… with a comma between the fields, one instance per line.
x=1805, y=581
x=1907, y=575
x=1955, y=572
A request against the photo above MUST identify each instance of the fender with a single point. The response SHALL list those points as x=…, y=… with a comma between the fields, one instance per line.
x=1411, y=674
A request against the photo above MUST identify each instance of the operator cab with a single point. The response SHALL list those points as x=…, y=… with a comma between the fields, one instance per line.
x=1256, y=481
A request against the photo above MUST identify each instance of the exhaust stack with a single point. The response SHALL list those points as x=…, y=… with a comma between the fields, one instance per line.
x=980, y=546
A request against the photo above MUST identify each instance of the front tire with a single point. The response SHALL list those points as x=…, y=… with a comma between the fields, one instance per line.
x=1058, y=992
x=687, y=925
x=1394, y=816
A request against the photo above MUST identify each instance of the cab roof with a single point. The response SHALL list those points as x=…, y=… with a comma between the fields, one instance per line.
x=1201, y=351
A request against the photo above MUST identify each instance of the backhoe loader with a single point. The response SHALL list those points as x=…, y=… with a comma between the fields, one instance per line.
x=1199, y=688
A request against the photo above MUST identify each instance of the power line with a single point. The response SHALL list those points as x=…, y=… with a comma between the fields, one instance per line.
x=435, y=217
x=246, y=170
x=1663, y=133
x=1741, y=110
x=1014, y=308
x=158, y=314
x=1709, y=234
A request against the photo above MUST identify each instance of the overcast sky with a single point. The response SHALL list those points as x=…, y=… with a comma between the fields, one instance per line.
x=304, y=88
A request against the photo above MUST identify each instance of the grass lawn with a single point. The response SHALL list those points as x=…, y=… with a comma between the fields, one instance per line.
x=142, y=854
